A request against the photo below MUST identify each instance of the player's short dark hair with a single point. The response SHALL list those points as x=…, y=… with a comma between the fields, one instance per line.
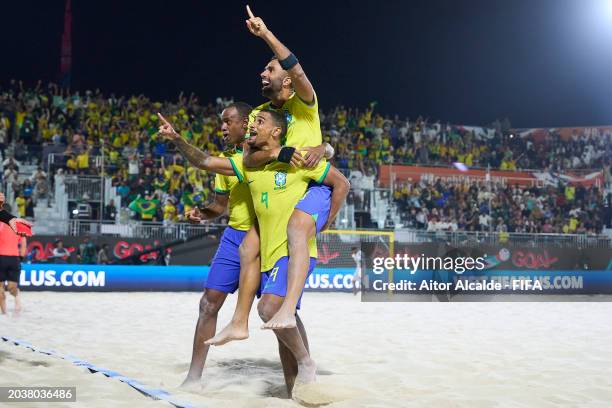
x=243, y=109
x=279, y=120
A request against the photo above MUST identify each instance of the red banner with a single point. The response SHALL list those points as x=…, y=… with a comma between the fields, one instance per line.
x=539, y=135
x=416, y=173
x=523, y=178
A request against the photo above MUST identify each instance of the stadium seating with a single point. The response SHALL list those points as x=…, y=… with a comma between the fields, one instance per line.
x=47, y=131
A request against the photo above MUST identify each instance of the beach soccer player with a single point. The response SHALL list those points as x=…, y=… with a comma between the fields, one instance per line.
x=289, y=92
x=275, y=190
x=224, y=273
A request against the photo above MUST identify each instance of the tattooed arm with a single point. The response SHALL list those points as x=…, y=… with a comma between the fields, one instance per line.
x=199, y=158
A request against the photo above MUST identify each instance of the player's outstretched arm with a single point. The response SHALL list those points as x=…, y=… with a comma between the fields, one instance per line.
x=198, y=158
x=301, y=84
x=340, y=186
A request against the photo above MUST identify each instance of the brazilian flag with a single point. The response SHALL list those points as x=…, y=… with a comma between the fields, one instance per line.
x=146, y=208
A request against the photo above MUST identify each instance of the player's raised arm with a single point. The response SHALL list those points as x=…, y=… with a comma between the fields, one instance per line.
x=288, y=61
x=340, y=189
x=198, y=158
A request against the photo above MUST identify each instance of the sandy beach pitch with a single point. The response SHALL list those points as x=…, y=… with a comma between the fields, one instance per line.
x=368, y=354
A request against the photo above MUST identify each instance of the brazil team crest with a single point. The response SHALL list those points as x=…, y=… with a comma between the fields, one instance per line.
x=280, y=179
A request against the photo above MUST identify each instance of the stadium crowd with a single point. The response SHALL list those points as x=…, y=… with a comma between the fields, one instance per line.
x=365, y=137
x=78, y=129
x=473, y=206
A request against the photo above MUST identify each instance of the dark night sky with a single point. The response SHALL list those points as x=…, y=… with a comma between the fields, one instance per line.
x=538, y=62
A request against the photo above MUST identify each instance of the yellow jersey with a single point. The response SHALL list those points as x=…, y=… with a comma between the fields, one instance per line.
x=241, y=211
x=169, y=212
x=303, y=124
x=83, y=160
x=276, y=188
x=21, y=206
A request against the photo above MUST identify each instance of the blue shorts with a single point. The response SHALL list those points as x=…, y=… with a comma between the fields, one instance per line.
x=316, y=202
x=224, y=273
x=274, y=281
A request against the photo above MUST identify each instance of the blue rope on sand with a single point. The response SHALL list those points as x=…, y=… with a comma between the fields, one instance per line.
x=156, y=394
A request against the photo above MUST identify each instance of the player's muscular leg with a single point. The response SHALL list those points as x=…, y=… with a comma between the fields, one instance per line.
x=250, y=277
x=210, y=303
x=290, y=367
x=292, y=339
x=300, y=229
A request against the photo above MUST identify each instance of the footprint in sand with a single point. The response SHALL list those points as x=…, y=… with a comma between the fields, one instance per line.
x=318, y=394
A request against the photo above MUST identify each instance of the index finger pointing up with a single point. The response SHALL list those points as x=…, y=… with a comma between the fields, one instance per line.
x=162, y=118
x=249, y=12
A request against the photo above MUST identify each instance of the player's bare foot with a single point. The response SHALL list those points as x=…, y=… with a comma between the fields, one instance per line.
x=231, y=332
x=281, y=320
x=191, y=384
x=306, y=372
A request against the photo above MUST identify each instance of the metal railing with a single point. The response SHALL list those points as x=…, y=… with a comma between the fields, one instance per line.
x=148, y=230
x=183, y=231
x=79, y=187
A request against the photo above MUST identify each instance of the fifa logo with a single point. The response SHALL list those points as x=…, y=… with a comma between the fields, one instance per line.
x=280, y=179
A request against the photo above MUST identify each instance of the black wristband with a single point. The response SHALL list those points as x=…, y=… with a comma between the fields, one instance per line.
x=289, y=62
x=5, y=216
x=286, y=153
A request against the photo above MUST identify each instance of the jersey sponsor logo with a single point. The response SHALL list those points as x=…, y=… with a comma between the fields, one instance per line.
x=280, y=179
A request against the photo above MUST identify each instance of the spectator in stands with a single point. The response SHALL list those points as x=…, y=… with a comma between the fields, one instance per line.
x=87, y=251
x=133, y=167
x=41, y=186
x=82, y=160
x=60, y=254
x=148, y=177
x=21, y=205
x=10, y=176
x=32, y=255
x=170, y=211
x=110, y=211
x=103, y=257
x=367, y=184
x=29, y=208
